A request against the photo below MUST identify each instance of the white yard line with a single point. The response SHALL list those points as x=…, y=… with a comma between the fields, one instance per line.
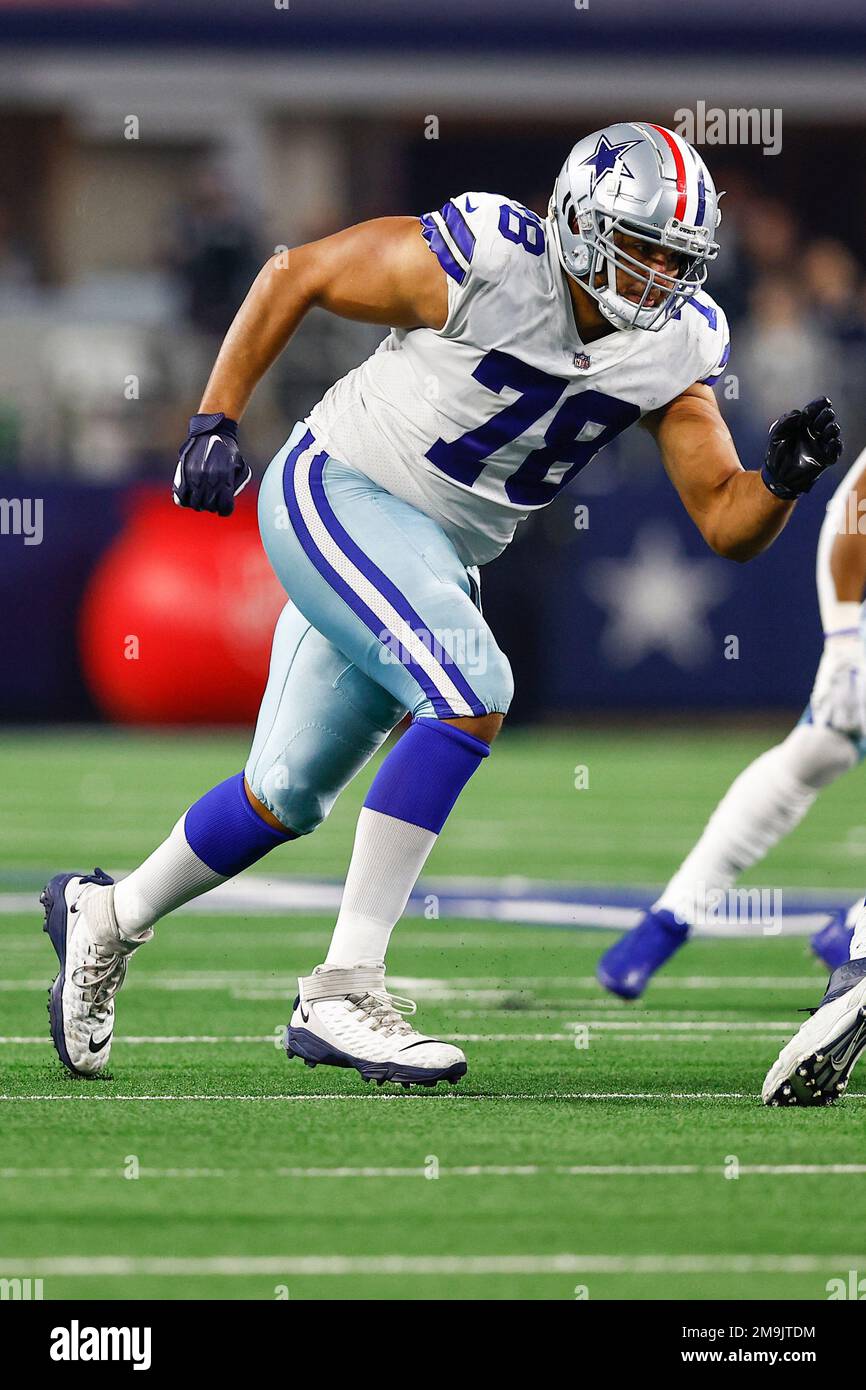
x=557, y=982
x=157, y=1039
x=247, y=985
x=482, y=1170
x=699, y=1025
x=451, y=1095
x=651, y=1031
x=118, y=1266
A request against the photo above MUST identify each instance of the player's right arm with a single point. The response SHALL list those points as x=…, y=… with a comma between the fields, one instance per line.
x=839, y=694
x=376, y=272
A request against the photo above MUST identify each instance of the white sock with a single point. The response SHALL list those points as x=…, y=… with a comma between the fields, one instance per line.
x=171, y=876
x=102, y=924
x=857, y=920
x=387, y=858
x=765, y=803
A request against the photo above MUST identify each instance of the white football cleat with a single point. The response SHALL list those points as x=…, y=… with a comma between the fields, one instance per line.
x=93, y=956
x=816, y=1065
x=347, y=1018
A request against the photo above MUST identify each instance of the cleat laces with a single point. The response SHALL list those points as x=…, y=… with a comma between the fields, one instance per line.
x=384, y=1012
x=99, y=980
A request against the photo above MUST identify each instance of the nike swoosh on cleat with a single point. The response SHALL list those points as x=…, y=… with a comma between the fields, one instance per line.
x=840, y=1061
x=100, y=1045
x=469, y=206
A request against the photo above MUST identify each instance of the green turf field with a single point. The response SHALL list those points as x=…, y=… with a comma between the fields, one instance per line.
x=602, y=1167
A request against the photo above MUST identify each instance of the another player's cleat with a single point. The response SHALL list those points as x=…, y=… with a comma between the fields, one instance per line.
x=814, y=1068
x=79, y=919
x=832, y=944
x=347, y=1018
x=630, y=964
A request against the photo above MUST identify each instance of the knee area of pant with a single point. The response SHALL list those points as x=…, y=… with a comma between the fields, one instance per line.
x=290, y=796
x=504, y=685
x=492, y=685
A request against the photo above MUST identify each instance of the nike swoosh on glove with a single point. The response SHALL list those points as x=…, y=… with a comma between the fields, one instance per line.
x=211, y=469
x=802, y=444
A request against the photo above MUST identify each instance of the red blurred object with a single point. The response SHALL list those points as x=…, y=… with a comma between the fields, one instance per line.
x=177, y=619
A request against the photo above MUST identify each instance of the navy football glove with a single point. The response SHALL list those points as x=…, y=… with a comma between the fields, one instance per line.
x=802, y=444
x=211, y=470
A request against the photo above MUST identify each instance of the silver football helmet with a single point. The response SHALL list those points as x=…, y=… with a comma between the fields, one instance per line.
x=641, y=181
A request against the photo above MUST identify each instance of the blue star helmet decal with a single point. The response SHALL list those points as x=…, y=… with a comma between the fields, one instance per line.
x=605, y=156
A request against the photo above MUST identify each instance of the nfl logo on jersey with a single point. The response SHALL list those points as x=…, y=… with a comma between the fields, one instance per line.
x=582, y=361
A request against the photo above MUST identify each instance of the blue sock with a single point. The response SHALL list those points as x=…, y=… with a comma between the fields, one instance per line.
x=422, y=777
x=226, y=833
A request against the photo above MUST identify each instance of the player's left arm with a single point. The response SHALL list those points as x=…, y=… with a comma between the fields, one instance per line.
x=740, y=512
x=838, y=697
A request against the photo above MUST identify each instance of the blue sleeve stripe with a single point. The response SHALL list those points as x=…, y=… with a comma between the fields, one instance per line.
x=717, y=372
x=460, y=230
x=707, y=310
x=438, y=245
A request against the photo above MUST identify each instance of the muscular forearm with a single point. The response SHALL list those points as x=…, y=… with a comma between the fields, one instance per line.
x=376, y=272
x=848, y=567
x=744, y=517
x=841, y=564
x=734, y=511
x=277, y=301
x=848, y=551
x=739, y=513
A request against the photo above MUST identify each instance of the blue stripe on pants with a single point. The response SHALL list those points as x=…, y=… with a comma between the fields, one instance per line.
x=442, y=705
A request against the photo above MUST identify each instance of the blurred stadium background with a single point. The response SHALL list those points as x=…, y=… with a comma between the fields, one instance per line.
x=151, y=157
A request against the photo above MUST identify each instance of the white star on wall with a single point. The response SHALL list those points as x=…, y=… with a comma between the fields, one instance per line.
x=657, y=600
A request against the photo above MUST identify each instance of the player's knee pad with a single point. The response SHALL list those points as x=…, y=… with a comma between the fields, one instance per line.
x=292, y=787
x=321, y=720
x=502, y=684
x=816, y=755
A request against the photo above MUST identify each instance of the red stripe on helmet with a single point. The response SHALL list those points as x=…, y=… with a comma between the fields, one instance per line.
x=679, y=165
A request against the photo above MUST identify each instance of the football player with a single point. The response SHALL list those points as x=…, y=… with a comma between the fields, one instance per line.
x=814, y=1068
x=770, y=798
x=519, y=347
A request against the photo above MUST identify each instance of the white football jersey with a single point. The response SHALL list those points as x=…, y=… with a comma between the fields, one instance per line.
x=481, y=421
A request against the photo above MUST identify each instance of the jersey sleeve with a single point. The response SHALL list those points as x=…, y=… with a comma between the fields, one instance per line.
x=464, y=235
x=719, y=348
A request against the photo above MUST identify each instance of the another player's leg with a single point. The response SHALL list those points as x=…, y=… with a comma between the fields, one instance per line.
x=384, y=582
x=765, y=803
x=832, y=944
x=814, y=1068
x=313, y=735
